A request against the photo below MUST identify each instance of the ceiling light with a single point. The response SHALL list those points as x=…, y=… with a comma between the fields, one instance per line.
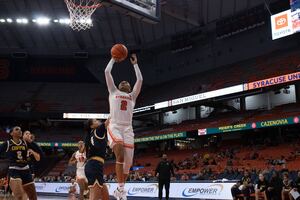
x=43, y=21
x=9, y=20
x=21, y=21
x=64, y=21
x=56, y=20
x=2, y=20
x=25, y=21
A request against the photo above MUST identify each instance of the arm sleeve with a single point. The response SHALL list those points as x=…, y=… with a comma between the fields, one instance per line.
x=3, y=148
x=108, y=77
x=139, y=81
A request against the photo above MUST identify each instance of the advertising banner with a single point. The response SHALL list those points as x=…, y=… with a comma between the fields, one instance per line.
x=201, y=190
x=276, y=122
x=254, y=125
x=160, y=137
x=281, y=24
x=272, y=81
x=59, y=188
x=229, y=128
x=55, y=144
x=177, y=190
x=200, y=96
x=208, y=95
x=295, y=12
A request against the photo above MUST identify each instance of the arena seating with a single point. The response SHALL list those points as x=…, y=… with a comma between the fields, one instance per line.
x=270, y=65
x=68, y=97
x=74, y=134
x=11, y=92
x=227, y=119
x=241, y=161
x=60, y=167
x=59, y=98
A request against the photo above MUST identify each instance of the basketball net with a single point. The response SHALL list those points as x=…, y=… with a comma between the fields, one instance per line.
x=81, y=12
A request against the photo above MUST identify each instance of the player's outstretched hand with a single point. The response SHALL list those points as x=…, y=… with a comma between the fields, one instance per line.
x=133, y=59
x=30, y=151
x=106, y=123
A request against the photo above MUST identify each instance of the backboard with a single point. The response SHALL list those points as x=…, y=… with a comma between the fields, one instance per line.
x=146, y=10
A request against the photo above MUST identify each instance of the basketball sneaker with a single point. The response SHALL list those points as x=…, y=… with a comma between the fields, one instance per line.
x=120, y=194
x=124, y=197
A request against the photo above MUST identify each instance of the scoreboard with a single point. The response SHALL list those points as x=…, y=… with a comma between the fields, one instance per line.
x=287, y=22
x=295, y=14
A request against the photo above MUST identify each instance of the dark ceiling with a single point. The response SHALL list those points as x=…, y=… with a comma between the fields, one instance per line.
x=110, y=26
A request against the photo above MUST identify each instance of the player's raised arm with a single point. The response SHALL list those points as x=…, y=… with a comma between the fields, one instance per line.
x=36, y=155
x=139, y=78
x=109, y=79
x=72, y=160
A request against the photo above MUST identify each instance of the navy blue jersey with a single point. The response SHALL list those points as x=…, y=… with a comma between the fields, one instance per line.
x=16, y=153
x=31, y=160
x=96, y=142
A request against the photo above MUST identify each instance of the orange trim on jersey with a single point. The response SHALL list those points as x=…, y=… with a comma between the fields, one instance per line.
x=116, y=140
x=130, y=146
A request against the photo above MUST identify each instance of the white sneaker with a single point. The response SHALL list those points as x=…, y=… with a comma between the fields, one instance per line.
x=117, y=193
x=120, y=194
x=123, y=195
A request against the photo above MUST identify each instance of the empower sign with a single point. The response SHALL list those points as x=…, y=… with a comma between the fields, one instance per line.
x=185, y=190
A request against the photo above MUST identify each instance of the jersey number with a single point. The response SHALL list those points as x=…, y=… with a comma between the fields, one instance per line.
x=19, y=155
x=123, y=105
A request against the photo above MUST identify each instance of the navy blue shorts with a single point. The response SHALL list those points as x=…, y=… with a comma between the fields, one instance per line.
x=94, y=172
x=24, y=175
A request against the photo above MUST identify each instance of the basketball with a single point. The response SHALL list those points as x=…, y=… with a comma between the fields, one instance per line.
x=119, y=52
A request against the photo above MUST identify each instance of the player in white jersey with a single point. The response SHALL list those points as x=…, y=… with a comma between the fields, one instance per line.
x=79, y=158
x=120, y=132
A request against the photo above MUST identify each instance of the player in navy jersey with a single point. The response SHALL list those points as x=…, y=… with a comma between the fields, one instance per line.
x=17, y=151
x=29, y=138
x=95, y=144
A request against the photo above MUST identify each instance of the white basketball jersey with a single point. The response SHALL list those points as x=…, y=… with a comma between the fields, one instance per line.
x=121, y=107
x=80, y=158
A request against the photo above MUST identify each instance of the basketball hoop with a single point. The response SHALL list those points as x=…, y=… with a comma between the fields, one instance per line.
x=81, y=12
